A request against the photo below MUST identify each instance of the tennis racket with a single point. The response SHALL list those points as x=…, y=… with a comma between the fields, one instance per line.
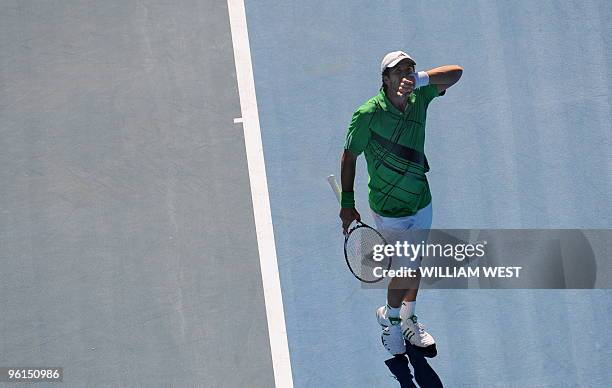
x=359, y=245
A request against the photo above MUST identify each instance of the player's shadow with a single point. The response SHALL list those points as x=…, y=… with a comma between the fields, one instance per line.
x=424, y=374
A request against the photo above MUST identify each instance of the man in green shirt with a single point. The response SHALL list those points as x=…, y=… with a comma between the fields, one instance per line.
x=390, y=130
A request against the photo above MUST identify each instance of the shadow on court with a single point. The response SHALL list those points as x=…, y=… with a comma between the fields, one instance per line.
x=424, y=374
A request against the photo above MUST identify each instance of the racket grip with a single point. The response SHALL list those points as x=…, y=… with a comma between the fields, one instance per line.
x=334, y=186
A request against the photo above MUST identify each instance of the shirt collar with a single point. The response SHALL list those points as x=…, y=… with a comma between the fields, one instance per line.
x=385, y=104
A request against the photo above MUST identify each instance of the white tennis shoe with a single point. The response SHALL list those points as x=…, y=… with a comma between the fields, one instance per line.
x=414, y=332
x=391, y=336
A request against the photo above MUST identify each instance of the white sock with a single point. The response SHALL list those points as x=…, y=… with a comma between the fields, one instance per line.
x=408, y=308
x=393, y=312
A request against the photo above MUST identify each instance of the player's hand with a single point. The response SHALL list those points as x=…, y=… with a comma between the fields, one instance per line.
x=406, y=86
x=348, y=215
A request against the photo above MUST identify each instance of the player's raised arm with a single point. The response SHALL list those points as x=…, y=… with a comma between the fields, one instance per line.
x=444, y=76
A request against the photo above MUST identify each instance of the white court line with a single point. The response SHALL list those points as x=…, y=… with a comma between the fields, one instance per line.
x=259, y=193
x=238, y=120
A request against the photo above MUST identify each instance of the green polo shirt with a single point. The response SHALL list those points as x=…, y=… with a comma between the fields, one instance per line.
x=393, y=143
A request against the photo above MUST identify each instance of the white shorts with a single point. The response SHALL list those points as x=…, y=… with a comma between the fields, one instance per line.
x=421, y=220
x=412, y=229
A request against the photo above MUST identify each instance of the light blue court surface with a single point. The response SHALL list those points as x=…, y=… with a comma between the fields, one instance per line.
x=522, y=141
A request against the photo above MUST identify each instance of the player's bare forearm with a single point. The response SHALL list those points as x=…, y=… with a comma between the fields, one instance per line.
x=347, y=170
x=445, y=76
x=348, y=213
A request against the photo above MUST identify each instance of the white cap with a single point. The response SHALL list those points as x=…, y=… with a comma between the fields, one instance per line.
x=393, y=58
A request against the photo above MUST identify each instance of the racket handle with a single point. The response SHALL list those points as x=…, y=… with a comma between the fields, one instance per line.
x=335, y=186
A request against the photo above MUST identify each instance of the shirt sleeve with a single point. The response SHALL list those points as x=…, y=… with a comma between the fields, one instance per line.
x=430, y=92
x=358, y=135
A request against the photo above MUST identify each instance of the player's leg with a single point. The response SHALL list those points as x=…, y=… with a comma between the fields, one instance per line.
x=414, y=332
x=403, y=291
x=389, y=315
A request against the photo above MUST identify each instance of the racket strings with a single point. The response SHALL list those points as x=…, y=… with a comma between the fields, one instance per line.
x=360, y=252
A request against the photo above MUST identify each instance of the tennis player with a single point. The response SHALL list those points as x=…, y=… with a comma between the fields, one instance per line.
x=389, y=129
